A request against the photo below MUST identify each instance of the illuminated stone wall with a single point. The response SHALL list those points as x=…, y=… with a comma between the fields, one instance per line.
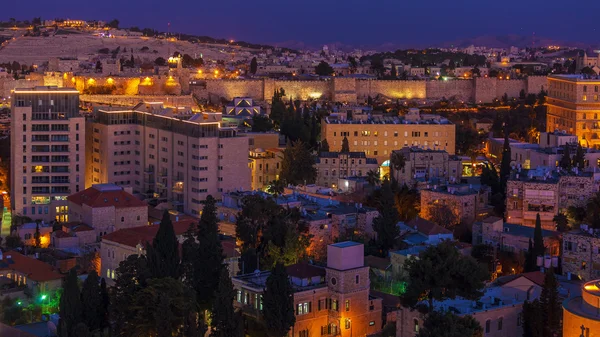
x=536, y=83
x=485, y=90
x=460, y=89
x=8, y=84
x=303, y=90
x=391, y=89
x=510, y=87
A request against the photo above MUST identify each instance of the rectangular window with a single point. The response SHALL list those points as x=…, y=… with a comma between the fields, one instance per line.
x=347, y=305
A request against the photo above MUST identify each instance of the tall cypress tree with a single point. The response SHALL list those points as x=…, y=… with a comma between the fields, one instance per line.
x=37, y=236
x=91, y=301
x=278, y=303
x=579, y=158
x=209, y=258
x=225, y=321
x=530, y=259
x=69, y=306
x=386, y=224
x=163, y=254
x=565, y=161
x=345, y=145
x=538, y=239
x=551, y=305
x=105, y=306
x=505, y=163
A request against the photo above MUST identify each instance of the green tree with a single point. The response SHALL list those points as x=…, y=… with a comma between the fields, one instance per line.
x=163, y=254
x=408, y=202
x=261, y=123
x=386, y=223
x=225, y=321
x=70, y=307
x=538, y=239
x=505, y=163
x=345, y=145
x=160, y=61
x=551, y=305
x=81, y=330
x=565, y=162
x=323, y=69
x=276, y=188
x=579, y=158
x=209, y=259
x=592, y=212
x=297, y=166
x=278, y=303
x=114, y=23
x=105, y=305
x=131, y=277
x=253, y=66
x=91, y=301
x=533, y=319
x=37, y=236
x=562, y=222
x=160, y=309
x=485, y=255
x=441, y=272
x=530, y=259
x=324, y=146
x=373, y=178
x=447, y=324
x=397, y=161
x=393, y=72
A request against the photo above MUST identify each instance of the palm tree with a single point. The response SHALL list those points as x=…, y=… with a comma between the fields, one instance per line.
x=373, y=178
x=397, y=163
x=562, y=222
x=276, y=187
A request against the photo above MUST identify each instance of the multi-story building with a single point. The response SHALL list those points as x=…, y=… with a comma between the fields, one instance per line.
x=498, y=311
x=329, y=301
x=47, y=151
x=334, y=165
x=425, y=165
x=107, y=208
x=466, y=202
x=546, y=192
x=580, y=313
x=580, y=256
x=512, y=238
x=573, y=106
x=379, y=136
x=118, y=245
x=175, y=159
x=265, y=166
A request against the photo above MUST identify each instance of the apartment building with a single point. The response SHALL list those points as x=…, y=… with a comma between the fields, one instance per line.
x=466, y=202
x=580, y=258
x=334, y=165
x=48, y=151
x=179, y=159
x=265, y=166
x=545, y=191
x=328, y=301
x=378, y=136
x=425, y=165
x=573, y=106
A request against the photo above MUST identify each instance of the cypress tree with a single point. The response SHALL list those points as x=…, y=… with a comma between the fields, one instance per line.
x=163, y=254
x=253, y=66
x=37, y=236
x=225, y=321
x=91, y=301
x=565, y=161
x=103, y=314
x=505, y=163
x=278, y=303
x=386, y=224
x=530, y=259
x=209, y=259
x=69, y=306
x=579, y=159
x=551, y=305
x=533, y=319
x=345, y=145
x=324, y=146
x=538, y=239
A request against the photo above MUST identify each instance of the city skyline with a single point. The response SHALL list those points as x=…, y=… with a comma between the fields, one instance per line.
x=392, y=25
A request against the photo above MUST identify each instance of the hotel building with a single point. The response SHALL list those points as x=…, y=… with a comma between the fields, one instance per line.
x=573, y=106
x=179, y=159
x=379, y=136
x=48, y=151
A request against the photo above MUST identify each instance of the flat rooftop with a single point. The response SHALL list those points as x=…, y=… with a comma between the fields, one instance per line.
x=576, y=77
x=45, y=89
x=345, y=244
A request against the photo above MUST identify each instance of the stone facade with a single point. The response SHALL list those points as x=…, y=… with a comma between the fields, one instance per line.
x=465, y=203
x=580, y=313
x=424, y=165
x=580, y=254
x=265, y=166
x=528, y=197
x=334, y=165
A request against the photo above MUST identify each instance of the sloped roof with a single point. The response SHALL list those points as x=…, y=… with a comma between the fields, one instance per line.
x=143, y=234
x=34, y=269
x=427, y=227
x=97, y=196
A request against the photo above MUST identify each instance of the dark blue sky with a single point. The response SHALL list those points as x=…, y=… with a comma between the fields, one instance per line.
x=353, y=22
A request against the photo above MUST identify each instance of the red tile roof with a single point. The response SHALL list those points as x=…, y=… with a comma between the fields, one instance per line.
x=427, y=227
x=34, y=269
x=142, y=234
x=96, y=197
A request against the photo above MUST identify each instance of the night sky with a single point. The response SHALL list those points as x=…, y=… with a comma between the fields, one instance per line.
x=351, y=22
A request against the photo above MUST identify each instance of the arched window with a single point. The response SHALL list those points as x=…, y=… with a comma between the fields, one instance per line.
x=500, y=323
x=487, y=326
x=416, y=325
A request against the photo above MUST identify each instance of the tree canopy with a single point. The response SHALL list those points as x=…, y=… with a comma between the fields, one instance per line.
x=297, y=166
x=447, y=324
x=278, y=303
x=163, y=253
x=323, y=69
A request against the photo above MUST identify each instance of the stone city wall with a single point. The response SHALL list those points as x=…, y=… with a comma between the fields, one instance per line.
x=392, y=89
x=8, y=84
x=302, y=90
x=460, y=89
x=512, y=88
x=535, y=84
